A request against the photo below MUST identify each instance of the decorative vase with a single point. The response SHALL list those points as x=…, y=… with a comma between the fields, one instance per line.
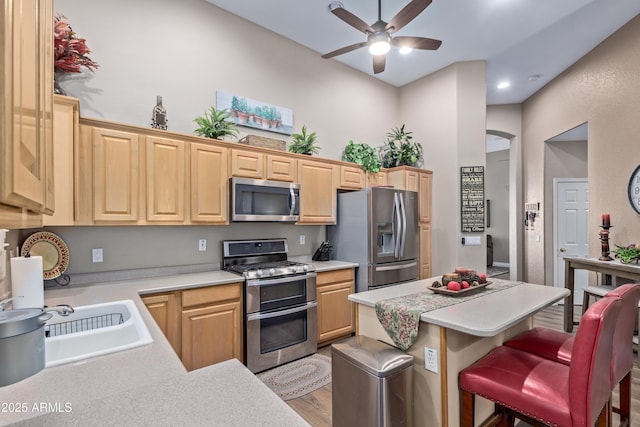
x=159, y=115
x=57, y=89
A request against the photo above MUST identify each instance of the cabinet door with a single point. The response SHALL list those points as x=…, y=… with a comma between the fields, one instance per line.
x=425, y=251
x=115, y=175
x=165, y=173
x=209, y=184
x=26, y=69
x=280, y=168
x=318, y=201
x=425, y=183
x=247, y=164
x=165, y=310
x=411, y=181
x=351, y=177
x=336, y=313
x=211, y=334
x=65, y=134
x=379, y=178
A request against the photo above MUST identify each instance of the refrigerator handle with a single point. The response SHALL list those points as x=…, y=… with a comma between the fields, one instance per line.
x=404, y=224
x=397, y=226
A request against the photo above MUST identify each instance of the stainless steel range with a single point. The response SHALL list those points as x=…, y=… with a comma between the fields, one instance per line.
x=280, y=302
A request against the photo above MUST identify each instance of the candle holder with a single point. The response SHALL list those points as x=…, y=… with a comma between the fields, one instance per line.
x=604, y=241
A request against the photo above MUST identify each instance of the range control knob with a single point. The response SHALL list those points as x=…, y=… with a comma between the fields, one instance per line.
x=259, y=272
x=305, y=267
x=294, y=269
x=272, y=271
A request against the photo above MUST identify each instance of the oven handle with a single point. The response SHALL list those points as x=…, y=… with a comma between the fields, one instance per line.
x=260, y=282
x=279, y=313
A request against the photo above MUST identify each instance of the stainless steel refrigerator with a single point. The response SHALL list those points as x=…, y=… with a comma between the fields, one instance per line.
x=377, y=228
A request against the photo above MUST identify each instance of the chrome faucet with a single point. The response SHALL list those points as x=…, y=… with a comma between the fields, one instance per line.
x=61, y=309
x=4, y=301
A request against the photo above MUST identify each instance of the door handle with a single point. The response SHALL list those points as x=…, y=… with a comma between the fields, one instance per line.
x=563, y=250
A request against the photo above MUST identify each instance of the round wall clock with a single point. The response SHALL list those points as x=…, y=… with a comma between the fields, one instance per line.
x=634, y=190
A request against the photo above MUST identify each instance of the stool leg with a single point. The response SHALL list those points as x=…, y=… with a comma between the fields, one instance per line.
x=625, y=400
x=468, y=408
x=604, y=419
x=585, y=302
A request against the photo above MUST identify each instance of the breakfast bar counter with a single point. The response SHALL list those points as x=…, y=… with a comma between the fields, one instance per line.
x=461, y=333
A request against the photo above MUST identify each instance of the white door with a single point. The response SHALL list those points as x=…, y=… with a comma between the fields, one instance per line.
x=571, y=215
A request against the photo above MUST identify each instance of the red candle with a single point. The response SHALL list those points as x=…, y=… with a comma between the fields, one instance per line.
x=606, y=220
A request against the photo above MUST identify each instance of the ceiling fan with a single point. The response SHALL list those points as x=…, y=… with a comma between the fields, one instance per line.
x=379, y=33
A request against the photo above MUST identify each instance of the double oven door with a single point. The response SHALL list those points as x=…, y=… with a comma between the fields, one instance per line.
x=281, y=320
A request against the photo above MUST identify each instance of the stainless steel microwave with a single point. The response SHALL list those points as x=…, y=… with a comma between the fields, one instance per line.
x=261, y=200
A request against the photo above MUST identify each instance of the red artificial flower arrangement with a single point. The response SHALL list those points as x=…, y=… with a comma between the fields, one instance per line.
x=70, y=51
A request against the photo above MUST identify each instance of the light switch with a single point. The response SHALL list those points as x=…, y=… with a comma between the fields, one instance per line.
x=472, y=241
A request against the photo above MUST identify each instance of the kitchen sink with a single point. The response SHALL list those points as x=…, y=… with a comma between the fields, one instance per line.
x=94, y=330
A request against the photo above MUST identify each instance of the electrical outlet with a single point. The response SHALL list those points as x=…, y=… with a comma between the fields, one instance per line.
x=302, y=239
x=202, y=245
x=96, y=255
x=431, y=359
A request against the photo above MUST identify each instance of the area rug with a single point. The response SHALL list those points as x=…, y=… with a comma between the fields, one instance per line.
x=299, y=377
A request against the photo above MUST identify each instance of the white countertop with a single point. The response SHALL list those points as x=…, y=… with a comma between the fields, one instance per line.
x=148, y=384
x=487, y=315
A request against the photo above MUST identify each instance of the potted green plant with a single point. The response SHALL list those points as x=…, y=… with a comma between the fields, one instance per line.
x=400, y=149
x=243, y=111
x=235, y=106
x=363, y=155
x=215, y=124
x=304, y=143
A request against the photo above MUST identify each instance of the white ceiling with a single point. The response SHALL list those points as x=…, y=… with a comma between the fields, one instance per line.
x=517, y=38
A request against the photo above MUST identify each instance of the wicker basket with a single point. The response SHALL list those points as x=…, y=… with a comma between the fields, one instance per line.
x=263, y=141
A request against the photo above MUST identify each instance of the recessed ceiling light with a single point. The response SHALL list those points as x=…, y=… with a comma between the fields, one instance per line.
x=405, y=49
x=534, y=77
x=503, y=85
x=335, y=5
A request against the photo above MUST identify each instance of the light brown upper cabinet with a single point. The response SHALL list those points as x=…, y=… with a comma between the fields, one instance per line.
x=26, y=107
x=248, y=164
x=374, y=179
x=165, y=175
x=318, y=198
x=403, y=179
x=424, y=184
x=352, y=177
x=115, y=175
x=209, y=184
x=281, y=168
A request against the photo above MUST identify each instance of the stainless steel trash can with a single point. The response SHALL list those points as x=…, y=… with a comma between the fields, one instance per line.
x=372, y=384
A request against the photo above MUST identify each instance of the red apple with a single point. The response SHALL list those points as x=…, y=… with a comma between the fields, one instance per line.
x=465, y=284
x=453, y=286
x=483, y=278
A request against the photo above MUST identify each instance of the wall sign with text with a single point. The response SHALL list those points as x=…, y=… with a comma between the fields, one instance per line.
x=472, y=198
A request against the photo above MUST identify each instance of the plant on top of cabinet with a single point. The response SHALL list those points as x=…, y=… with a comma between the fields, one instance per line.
x=214, y=124
x=363, y=155
x=304, y=143
x=400, y=150
x=70, y=51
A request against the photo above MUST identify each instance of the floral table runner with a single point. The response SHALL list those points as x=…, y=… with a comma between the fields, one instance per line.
x=400, y=316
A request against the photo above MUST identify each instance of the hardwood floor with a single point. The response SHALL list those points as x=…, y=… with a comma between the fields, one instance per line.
x=315, y=407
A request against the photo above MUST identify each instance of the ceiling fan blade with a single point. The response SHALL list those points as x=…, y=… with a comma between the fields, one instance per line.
x=406, y=15
x=379, y=62
x=416, y=42
x=344, y=50
x=352, y=20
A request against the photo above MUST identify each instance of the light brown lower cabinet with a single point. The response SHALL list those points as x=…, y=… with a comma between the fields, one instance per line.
x=336, y=314
x=204, y=325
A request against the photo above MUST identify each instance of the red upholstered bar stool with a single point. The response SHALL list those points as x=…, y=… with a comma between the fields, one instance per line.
x=558, y=346
x=544, y=392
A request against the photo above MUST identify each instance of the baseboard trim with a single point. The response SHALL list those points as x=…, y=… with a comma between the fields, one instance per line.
x=501, y=264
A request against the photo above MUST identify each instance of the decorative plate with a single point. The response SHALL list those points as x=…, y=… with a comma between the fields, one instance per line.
x=462, y=292
x=52, y=249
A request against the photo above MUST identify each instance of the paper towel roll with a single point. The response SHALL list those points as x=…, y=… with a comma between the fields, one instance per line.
x=27, y=281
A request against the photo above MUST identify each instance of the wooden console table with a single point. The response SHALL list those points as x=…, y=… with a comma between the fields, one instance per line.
x=613, y=268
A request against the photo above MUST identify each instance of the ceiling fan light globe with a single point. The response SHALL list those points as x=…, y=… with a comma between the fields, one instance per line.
x=379, y=48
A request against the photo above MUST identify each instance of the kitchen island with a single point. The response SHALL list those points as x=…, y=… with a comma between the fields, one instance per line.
x=461, y=333
x=147, y=385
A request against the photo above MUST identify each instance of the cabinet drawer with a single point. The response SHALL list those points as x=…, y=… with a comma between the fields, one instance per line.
x=335, y=276
x=199, y=296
